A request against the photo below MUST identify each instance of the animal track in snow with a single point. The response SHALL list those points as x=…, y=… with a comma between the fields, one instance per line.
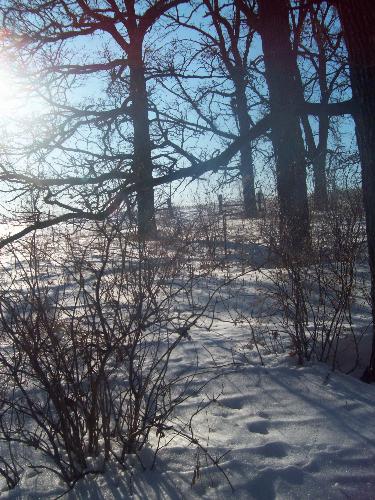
x=263, y=414
x=277, y=449
x=232, y=403
x=258, y=427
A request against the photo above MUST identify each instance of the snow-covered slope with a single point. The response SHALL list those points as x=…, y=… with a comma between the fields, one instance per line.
x=247, y=431
x=285, y=432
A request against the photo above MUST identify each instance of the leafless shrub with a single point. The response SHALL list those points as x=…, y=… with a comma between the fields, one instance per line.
x=87, y=344
x=314, y=293
x=211, y=234
x=10, y=468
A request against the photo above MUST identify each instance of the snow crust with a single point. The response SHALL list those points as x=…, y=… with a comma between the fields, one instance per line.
x=282, y=431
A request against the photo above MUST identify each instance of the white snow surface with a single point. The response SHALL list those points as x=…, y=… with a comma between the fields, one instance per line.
x=287, y=432
x=282, y=431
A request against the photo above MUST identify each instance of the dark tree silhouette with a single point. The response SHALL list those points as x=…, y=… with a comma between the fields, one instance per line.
x=223, y=49
x=115, y=153
x=272, y=22
x=358, y=21
x=43, y=26
x=234, y=54
x=322, y=47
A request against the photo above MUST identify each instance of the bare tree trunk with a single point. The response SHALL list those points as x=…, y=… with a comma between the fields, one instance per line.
x=246, y=154
x=318, y=158
x=358, y=21
x=286, y=133
x=319, y=166
x=317, y=154
x=142, y=165
x=247, y=178
x=320, y=182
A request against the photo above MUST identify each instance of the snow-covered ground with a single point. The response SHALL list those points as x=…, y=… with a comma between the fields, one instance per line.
x=283, y=431
x=277, y=431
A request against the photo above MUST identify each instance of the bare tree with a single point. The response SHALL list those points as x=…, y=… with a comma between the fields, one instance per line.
x=358, y=20
x=321, y=47
x=227, y=43
x=51, y=35
x=272, y=22
x=82, y=162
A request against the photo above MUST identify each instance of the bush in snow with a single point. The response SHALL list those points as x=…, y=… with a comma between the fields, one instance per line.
x=85, y=348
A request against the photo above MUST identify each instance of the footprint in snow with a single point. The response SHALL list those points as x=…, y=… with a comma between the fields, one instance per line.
x=258, y=427
x=351, y=406
x=232, y=403
x=276, y=449
x=263, y=414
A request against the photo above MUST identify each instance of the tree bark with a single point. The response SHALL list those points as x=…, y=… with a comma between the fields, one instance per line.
x=142, y=163
x=246, y=153
x=247, y=178
x=358, y=21
x=286, y=133
x=319, y=166
x=234, y=59
x=320, y=156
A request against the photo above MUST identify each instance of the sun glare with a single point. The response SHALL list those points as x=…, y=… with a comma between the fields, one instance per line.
x=8, y=93
x=16, y=101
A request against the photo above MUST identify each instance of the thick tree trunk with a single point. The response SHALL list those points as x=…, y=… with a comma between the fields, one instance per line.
x=317, y=154
x=319, y=166
x=320, y=157
x=286, y=133
x=142, y=163
x=320, y=182
x=246, y=154
x=247, y=178
x=358, y=21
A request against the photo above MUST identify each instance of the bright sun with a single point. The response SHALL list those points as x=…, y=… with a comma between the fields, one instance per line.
x=15, y=99
x=8, y=92
x=20, y=101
